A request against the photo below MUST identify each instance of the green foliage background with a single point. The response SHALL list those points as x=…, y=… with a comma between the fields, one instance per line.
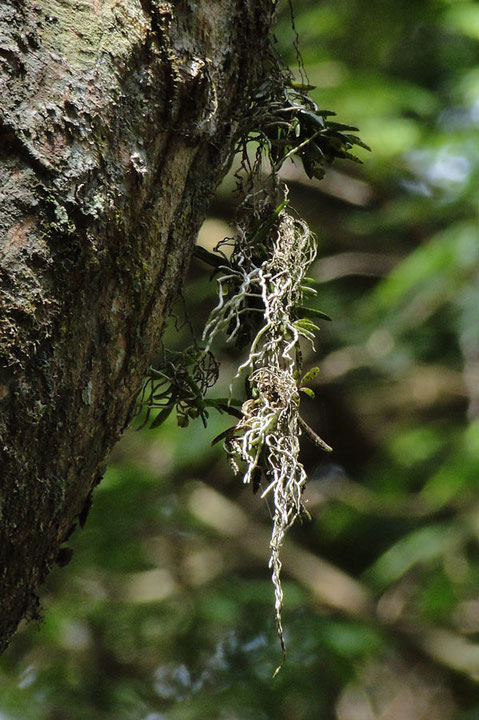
x=166, y=609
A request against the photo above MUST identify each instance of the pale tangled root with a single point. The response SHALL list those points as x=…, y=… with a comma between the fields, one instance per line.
x=266, y=439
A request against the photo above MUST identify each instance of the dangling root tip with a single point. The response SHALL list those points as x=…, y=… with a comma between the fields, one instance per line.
x=280, y=665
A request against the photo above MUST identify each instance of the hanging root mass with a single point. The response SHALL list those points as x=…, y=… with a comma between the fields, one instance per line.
x=261, y=289
x=262, y=300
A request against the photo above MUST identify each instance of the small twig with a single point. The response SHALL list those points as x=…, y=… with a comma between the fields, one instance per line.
x=313, y=436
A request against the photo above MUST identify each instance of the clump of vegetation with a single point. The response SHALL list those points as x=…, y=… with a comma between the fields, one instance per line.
x=267, y=283
x=180, y=383
x=261, y=291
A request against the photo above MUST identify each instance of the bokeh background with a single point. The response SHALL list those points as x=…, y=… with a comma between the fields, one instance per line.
x=166, y=608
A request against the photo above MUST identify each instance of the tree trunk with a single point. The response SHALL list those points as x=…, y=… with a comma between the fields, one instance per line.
x=117, y=123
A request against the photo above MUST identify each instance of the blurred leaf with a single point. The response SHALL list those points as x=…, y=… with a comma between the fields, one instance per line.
x=437, y=598
x=459, y=473
x=352, y=640
x=307, y=391
x=421, y=546
x=437, y=264
x=464, y=17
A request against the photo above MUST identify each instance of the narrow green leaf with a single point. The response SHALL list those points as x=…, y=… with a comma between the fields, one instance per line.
x=301, y=86
x=307, y=391
x=223, y=406
x=309, y=376
x=161, y=417
x=305, y=324
x=215, y=261
x=311, y=312
x=308, y=166
x=316, y=118
x=340, y=126
x=226, y=434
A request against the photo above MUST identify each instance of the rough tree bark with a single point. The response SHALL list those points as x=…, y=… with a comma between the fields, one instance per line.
x=116, y=124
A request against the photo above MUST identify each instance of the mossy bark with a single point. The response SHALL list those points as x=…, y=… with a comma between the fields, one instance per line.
x=117, y=123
